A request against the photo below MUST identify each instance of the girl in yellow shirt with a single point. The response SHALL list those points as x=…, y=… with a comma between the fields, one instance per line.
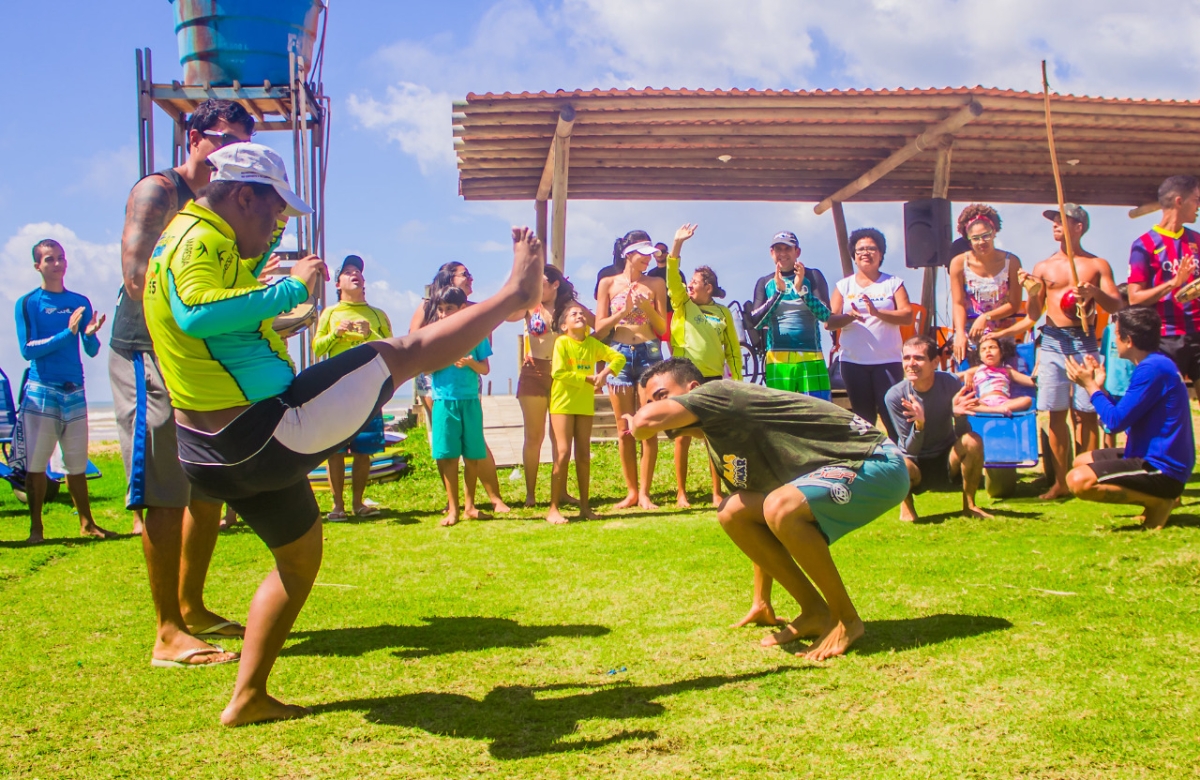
x=573, y=404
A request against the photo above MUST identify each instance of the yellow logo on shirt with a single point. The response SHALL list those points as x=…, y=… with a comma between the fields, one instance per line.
x=735, y=470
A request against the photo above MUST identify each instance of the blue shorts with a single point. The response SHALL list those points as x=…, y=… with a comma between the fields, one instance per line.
x=638, y=358
x=458, y=430
x=370, y=440
x=1057, y=393
x=843, y=499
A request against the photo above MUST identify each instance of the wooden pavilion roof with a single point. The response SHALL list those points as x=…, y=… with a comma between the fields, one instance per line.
x=805, y=146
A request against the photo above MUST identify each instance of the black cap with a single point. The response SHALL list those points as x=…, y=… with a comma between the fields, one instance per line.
x=351, y=261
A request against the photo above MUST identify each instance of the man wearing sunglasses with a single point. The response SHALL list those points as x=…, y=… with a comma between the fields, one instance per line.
x=179, y=526
x=1063, y=336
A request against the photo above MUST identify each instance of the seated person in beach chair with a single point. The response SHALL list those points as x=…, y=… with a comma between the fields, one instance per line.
x=993, y=380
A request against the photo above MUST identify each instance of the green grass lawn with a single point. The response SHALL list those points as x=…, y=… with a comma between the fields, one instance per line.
x=1053, y=641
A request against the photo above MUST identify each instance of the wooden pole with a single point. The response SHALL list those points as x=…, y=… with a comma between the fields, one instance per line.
x=558, y=234
x=539, y=210
x=843, y=239
x=1062, y=213
x=1143, y=210
x=926, y=140
x=566, y=122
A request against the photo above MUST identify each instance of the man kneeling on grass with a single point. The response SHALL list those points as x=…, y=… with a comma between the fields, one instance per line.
x=803, y=473
x=1160, y=451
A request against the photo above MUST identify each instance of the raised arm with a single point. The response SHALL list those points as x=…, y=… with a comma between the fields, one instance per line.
x=658, y=416
x=733, y=348
x=150, y=203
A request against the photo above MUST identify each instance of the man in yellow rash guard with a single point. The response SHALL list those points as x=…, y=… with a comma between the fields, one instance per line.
x=346, y=324
x=249, y=431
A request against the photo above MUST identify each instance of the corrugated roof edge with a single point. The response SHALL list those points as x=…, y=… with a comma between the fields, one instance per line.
x=667, y=92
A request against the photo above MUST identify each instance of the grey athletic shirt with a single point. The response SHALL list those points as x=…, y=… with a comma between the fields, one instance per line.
x=941, y=428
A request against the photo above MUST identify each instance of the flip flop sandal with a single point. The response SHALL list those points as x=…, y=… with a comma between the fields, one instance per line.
x=215, y=630
x=335, y=516
x=366, y=511
x=180, y=661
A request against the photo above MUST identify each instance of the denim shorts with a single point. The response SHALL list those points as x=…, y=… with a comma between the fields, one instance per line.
x=638, y=358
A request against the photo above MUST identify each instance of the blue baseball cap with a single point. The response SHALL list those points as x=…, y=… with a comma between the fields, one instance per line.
x=786, y=237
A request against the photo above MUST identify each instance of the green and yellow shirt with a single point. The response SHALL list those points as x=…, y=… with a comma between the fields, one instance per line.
x=328, y=341
x=210, y=318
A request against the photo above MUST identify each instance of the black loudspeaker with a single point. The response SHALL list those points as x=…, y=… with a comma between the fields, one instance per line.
x=927, y=231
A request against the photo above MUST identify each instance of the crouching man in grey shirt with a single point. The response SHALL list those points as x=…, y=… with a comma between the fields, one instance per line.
x=928, y=409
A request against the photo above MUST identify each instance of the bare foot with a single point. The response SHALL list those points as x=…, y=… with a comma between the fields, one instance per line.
x=449, y=520
x=181, y=643
x=137, y=528
x=718, y=499
x=1156, y=516
x=1055, y=493
x=681, y=501
x=530, y=503
x=835, y=641
x=500, y=508
x=96, y=532
x=645, y=503
x=198, y=622
x=527, y=266
x=907, y=514
x=760, y=615
x=804, y=626
x=570, y=500
x=628, y=502
x=974, y=511
x=555, y=517
x=35, y=537
x=588, y=514
x=474, y=513
x=260, y=709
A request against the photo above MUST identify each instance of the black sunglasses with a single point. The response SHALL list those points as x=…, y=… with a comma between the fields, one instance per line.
x=224, y=139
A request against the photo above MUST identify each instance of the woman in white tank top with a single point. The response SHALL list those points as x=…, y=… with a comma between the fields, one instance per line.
x=871, y=345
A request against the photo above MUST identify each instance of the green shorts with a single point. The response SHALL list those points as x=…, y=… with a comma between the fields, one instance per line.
x=798, y=372
x=457, y=428
x=844, y=499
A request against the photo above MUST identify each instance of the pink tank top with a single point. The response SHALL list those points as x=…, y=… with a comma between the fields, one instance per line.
x=992, y=382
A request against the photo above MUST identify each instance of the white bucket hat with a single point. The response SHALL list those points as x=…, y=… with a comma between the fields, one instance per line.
x=257, y=164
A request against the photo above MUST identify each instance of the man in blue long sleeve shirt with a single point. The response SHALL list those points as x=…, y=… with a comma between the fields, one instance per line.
x=51, y=322
x=1160, y=449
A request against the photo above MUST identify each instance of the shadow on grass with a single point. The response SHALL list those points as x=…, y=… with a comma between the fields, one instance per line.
x=1175, y=521
x=439, y=636
x=898, y=635
x=65, y=541
x=518, y=722
x=409, y=517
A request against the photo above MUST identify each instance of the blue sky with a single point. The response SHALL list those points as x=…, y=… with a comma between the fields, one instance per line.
x=68, y=138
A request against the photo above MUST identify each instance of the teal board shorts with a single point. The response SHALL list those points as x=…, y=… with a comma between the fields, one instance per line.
x=844, y=499
x=458, y=430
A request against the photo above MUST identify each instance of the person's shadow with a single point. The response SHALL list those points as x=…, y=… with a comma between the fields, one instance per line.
x=438, y=636
x=521, y=720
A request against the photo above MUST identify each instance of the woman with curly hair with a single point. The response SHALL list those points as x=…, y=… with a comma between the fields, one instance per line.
x=983, y=283
x=533, y=386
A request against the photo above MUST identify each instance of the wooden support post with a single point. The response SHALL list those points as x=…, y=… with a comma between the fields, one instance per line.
x=844, y=248
x=539, y=210
x=926, y=140
x=941, y=189
x=1143, y=210
x=561, y=157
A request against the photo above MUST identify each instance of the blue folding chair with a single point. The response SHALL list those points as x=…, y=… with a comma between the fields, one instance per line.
x=1008, y=442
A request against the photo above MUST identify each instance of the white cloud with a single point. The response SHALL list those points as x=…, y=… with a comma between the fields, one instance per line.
x=399, y=304
x=413, y=116
x=492, y=246
x=93, y=270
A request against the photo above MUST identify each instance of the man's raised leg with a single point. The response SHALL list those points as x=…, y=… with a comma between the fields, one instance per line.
x=272, y=612
x=741, y=516
x=967, y=458
x=201, y=527
x=791, y=521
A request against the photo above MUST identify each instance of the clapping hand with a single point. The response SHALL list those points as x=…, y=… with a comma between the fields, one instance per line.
x=1185, y=272
x=1088, y=374
x=870, y=304
x=94, y=325
x=914, y=410
x=76, y=319
x=964, y=402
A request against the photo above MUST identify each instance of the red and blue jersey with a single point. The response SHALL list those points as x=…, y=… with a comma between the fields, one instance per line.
x=1155, y=259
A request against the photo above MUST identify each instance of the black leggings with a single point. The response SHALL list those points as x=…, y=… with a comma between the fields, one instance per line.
x=866, y=387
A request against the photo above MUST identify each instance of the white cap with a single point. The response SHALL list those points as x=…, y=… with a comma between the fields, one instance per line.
x=257, y=164
x=641, y=247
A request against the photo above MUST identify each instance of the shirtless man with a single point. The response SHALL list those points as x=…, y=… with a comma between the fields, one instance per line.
x=180, y=526
x=1049, y=285
x=801, y=472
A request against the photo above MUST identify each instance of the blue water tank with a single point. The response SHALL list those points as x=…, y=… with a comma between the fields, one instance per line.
x=222, y=41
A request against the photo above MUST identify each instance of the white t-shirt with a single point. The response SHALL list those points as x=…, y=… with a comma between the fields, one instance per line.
x=873, y=341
